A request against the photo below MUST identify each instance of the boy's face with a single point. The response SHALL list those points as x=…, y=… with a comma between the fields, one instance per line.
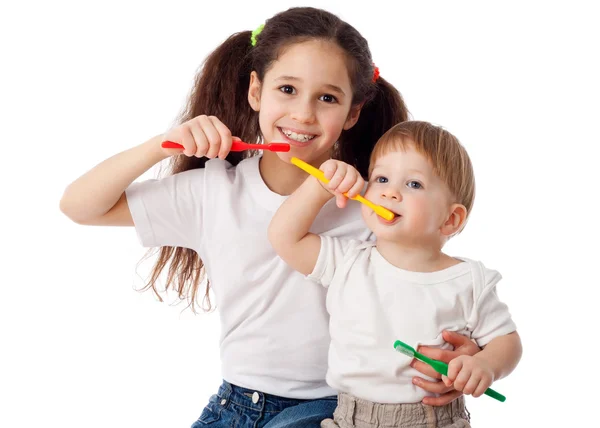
x=404, y=182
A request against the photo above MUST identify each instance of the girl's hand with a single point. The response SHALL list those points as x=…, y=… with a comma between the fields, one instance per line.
x=462, y=346
x=343, y=178
x=471, y=375
x=201, y=136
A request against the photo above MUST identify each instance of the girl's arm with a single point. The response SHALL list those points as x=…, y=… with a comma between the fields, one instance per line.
x=98, y=197
x=289, y=228
x=288, y=231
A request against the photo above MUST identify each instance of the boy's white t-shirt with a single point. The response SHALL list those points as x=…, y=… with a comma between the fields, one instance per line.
x=274, y=325
x=372, y=304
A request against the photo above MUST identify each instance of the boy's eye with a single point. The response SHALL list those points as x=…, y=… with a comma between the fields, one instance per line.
x=381, y=179
x=287, y=89
x=414, y=185
x=328, y=98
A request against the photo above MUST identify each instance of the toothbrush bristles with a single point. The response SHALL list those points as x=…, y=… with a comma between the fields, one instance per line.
x=404, y=348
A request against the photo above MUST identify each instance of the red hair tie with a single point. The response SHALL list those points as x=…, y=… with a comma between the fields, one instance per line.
x=375, y=73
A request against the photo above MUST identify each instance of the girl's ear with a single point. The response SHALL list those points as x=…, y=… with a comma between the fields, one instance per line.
x=455, y=221
x=254, y=91
x=353, y=116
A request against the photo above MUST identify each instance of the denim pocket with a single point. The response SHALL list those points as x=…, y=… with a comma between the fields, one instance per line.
x=210, y=414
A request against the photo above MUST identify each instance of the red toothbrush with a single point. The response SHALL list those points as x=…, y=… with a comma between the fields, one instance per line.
x=239, y=146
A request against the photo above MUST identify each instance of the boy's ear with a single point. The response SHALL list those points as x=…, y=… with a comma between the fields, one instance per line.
x=254, y=91
x=455, y=221
x=353, y=116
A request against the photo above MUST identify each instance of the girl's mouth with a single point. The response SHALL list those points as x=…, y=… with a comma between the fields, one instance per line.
x=296, y=138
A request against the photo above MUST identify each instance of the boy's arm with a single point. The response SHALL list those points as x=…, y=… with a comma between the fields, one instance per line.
x=473, y=375
x=289, y=228
x=502, y=354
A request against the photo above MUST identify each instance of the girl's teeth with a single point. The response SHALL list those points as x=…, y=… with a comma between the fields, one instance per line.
x=301, y=138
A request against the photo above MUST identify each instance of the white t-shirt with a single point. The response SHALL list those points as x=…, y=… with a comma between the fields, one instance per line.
x=274, y=325
x=372, y=304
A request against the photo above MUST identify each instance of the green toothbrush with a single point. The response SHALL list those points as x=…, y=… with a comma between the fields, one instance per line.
x=438, y=366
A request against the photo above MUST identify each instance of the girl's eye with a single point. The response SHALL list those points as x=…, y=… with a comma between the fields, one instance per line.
x=287, y=89
x=381, y=179
x=414, y=185
x=328, y=98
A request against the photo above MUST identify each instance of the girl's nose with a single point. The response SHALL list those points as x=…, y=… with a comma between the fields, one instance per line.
x=303, y=113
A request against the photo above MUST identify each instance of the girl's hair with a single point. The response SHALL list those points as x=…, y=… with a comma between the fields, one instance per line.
x=449, y=159
x=221, y=89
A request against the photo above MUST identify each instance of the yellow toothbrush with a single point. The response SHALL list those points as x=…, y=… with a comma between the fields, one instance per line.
x=317, y=173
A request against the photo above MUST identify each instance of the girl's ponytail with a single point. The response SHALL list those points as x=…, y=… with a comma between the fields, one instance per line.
x=221, y=90
x=384, y=109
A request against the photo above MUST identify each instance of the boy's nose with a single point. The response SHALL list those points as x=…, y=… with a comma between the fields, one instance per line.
x=391, y=193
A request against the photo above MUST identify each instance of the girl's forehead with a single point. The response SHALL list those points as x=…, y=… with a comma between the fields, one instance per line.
x=315, y=59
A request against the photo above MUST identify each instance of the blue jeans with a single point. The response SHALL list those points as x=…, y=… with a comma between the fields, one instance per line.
x=234, y=406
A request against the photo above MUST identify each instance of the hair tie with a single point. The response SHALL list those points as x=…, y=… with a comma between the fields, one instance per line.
x=255, y=34
x=375, y=73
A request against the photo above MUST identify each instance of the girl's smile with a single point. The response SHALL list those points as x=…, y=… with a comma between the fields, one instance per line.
x=305, y=100
x=296, y=137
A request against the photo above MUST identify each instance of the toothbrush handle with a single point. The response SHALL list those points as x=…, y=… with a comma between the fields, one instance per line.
x=442, y=368
x=495, y=394
x=318, y=174
x=236, y=146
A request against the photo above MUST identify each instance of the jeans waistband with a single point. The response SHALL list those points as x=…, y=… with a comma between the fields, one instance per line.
x=255, y=400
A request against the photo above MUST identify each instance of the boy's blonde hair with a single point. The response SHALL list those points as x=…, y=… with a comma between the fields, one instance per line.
x=447, y=156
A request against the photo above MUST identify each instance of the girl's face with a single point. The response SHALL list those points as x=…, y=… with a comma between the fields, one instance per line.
x=305, y=100
x=404, y=182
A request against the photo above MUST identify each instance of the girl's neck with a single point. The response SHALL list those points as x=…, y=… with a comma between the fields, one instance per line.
x=279, y=176
x=415, y=257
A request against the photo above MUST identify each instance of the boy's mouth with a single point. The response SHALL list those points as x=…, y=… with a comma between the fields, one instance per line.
x=394, y=220
x=294, y=136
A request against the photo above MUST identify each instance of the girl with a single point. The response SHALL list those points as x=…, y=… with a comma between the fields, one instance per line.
x=307, y=79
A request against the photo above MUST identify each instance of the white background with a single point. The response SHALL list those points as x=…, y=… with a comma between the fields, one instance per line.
x=517, y=82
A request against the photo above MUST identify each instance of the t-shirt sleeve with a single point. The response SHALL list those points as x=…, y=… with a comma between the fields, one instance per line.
x=331, y=256
x=168, y=212
x=492, y=315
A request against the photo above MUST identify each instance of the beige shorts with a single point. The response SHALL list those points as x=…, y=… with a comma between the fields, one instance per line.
x=352, y=412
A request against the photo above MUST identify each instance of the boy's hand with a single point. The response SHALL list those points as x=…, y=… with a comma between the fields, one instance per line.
x=462, y=346
x=471, y=375
x=343, y=178
x=201, y=136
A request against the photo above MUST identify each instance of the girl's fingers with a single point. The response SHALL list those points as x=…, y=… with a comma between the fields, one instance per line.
x=224, y=135
x=199, y=138
x=426, y=369
x=443, y=399
x=188, y=142
x=212, y=136
x=437, y=387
